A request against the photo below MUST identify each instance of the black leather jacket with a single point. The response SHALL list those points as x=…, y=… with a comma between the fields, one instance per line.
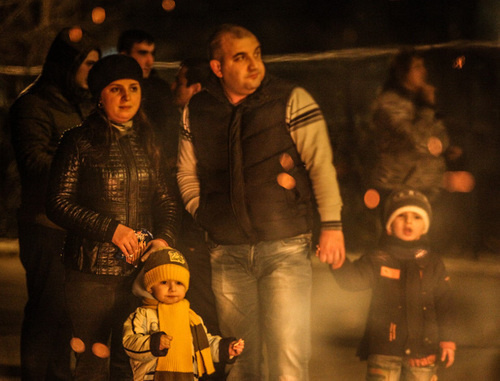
x=91, y=191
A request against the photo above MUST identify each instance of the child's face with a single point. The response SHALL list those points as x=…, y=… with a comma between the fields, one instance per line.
x=169, y=291
x=407, y=226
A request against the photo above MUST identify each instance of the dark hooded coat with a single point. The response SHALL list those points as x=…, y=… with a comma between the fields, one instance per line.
x=52, y=104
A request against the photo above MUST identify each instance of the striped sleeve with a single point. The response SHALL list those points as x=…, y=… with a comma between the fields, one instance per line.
x=310, y=134
x=187, y=177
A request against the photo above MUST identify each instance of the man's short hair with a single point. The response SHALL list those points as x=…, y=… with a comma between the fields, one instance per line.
x=215, y=40
x=198, y=70
x=133, y=36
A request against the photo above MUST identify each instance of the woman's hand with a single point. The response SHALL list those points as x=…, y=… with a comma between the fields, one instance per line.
x=154, y=245
x=126, y=240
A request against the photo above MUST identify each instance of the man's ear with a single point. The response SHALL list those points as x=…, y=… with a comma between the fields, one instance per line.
x=196, y=87
x=216, y=67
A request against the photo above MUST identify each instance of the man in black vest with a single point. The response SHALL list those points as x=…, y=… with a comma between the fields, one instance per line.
x=254, y=165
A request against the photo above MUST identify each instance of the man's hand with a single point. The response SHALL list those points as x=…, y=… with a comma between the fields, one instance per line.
x=448, y=352
x=331, y=248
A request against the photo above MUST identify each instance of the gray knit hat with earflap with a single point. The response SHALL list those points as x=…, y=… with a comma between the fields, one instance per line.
x=407, y=200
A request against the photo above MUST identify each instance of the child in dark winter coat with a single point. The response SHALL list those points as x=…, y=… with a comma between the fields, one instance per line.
x=164, y=338
x=408, y=328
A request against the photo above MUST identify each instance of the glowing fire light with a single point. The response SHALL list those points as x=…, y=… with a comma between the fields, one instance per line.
x=459, y=181
x=168, y=5
x=98, y=15
x=77, y=345
x=286, y=181
x=286, y=162
x=75, y=34
x=459, y=62
x=435, y=146
x=372, y=198
x=100, y=350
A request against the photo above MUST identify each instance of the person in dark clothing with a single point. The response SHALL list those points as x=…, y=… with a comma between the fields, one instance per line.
x=58, y=100
x=409, y=326
x=105, y=187
x=254, y=156
x=157, y=95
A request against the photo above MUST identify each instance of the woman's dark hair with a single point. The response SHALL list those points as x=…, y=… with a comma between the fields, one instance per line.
x=101, y=135
x=399, y=68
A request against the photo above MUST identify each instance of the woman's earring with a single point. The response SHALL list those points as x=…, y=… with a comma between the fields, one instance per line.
x=99, y=104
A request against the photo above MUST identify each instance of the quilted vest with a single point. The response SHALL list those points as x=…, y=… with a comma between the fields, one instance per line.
x=238, y=149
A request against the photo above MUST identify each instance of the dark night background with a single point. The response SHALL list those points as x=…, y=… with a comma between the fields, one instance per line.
x=338, y=50
x=283, y=26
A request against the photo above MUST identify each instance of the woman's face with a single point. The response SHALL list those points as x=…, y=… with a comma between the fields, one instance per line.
x=417, y=75
x=121, y=100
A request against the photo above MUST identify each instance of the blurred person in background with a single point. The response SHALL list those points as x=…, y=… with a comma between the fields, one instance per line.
x=58, y=100
x=410, y=140
x=410, y=137
x=106, y=187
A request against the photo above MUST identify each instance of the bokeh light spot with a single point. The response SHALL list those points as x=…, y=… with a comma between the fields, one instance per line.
x=459, y=181
x=100, y=350
x=98, y=15
x=75, y=34
x=435, y=146
x=286, y=162
x=168, y=5
x=372, y=198
x=459, y=62
x=286, y=181
x=77, y=345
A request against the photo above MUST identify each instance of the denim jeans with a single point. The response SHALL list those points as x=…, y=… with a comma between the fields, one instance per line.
x=394, y=368
x=263, y=295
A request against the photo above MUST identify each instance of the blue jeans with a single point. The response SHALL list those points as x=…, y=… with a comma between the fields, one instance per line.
x=263, y=295
x=394, y=368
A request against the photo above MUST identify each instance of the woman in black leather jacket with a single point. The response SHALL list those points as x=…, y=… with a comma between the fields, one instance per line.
x=105, y=185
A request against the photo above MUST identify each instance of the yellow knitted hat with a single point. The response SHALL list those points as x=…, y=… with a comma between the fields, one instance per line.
x=165, y=264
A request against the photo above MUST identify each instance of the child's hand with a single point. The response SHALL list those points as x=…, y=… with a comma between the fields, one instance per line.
x=450, y=353
x=236, y=347
x=165, y=341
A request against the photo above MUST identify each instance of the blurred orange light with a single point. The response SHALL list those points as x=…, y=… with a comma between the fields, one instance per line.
x=168, y=5
x=459, y=181
x=286, y=181
x=286, y=162
x=100, y=350
x=372, y=198
x=75, y=34
x=435, y=146
x=98, y=15
x=77, y=345
x=459, y=62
